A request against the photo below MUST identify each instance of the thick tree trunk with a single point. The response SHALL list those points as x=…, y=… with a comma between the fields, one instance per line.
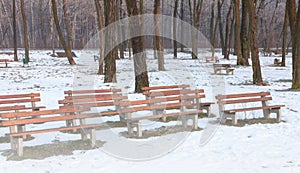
x=237, y=31
x=257, y=75
x=212, y=29
x=60, y=35
x=158, y=40
x=26, y=43
x=175, y=29
x=139, y=57
x=110, y=57
x=220, y=5
x=182, y=19
x=15, y=32
x=244, y=35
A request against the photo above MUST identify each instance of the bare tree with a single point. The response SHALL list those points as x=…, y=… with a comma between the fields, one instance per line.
x=237, y=30
x=60, y=34
x=175, y=29
x=284, y=37
x=245, y=34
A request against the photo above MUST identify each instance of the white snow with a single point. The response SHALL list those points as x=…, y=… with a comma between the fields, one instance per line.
x=217, y=148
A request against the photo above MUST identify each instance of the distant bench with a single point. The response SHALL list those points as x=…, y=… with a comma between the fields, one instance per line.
x=235, y=100
x=226, y=67
x=5, y=61
x=211, y=58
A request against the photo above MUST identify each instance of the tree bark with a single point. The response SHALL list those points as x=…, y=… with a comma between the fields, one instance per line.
x=284, y=37
x=100, y=22
x=15, y=32
x=158, y=40
x=175, y=29
x=139, y=57
x=237, y=31
x=257, y=75
x=244, y=35
x=110, y=57
x=227, y=30
x=67, y=24
x=26, y=43
x=60, y=34
x=296, y=59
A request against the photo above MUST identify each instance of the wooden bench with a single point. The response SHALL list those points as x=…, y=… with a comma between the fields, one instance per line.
x=175, y=90
x=18, y=102
x=183, y=103
x=17, y=120
x=211, y=58
x=277, y=62
x=231, y=104
x=219, y=67
x=5, y=61
x=99, y=98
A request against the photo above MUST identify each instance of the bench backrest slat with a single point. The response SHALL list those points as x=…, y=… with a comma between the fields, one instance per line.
x=244, y=100
x=20, y=101
x=230, y=96
x=70, y=92
x=173, y=92
x=12, y=96
x=164, y=87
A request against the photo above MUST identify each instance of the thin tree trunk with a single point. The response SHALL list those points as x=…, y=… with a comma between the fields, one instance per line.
x=67, y=24
x=212, y=28
x=26, y=43
x=227, y=38
x=60, y=35
x=175, y=29
x=296, y=73
x=182, y=19
x=158, y=40
x=121, y=30
x=15, y=32
x=220, y=5
x=284, y=38
x=100, y=22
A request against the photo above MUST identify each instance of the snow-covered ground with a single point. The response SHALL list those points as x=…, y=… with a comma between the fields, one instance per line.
x=217, y=148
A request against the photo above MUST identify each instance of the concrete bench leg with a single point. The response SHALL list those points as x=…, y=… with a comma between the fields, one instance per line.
x=278, y=114
x=92, y=133
x=18, y=145
x=234, y=119
x=195, y=122
x=131, y=126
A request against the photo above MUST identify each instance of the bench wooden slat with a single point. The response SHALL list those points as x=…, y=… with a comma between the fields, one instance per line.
x=9, y=108
x=253, y=108
x=19, y=101
x=11, y=96
x=54, y=130
x=74, y=97
x=174, y=92
x=230, y=96
x=53, y=118
x=93, y=99
x=41, y=112
x=245, y=100
x=166, y=115
x=164, y=87
x=91, y=91
x=88, y=105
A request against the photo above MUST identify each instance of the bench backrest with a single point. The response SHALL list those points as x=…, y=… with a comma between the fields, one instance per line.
x=92, y=98
x=148, y=90
x=14, y=102
x=244, y=98
x=161, y=100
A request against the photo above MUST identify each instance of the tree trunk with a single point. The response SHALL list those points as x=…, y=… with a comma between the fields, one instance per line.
x=182, y=19
x=110, y=57
x=296, y=72
x=175, y=29
x=139, y=57
x=26, y=43
x=196, y=23
x=227, y=38
x=100, y=22
x=220, y=5
x=15, y=32
x=67, y=24
x=284, y=37
x=237, y=31
x=158, y=40
x=60, y=35
x=244, y=35
x=212, y=24
x=121, y=30
x=257, y=76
